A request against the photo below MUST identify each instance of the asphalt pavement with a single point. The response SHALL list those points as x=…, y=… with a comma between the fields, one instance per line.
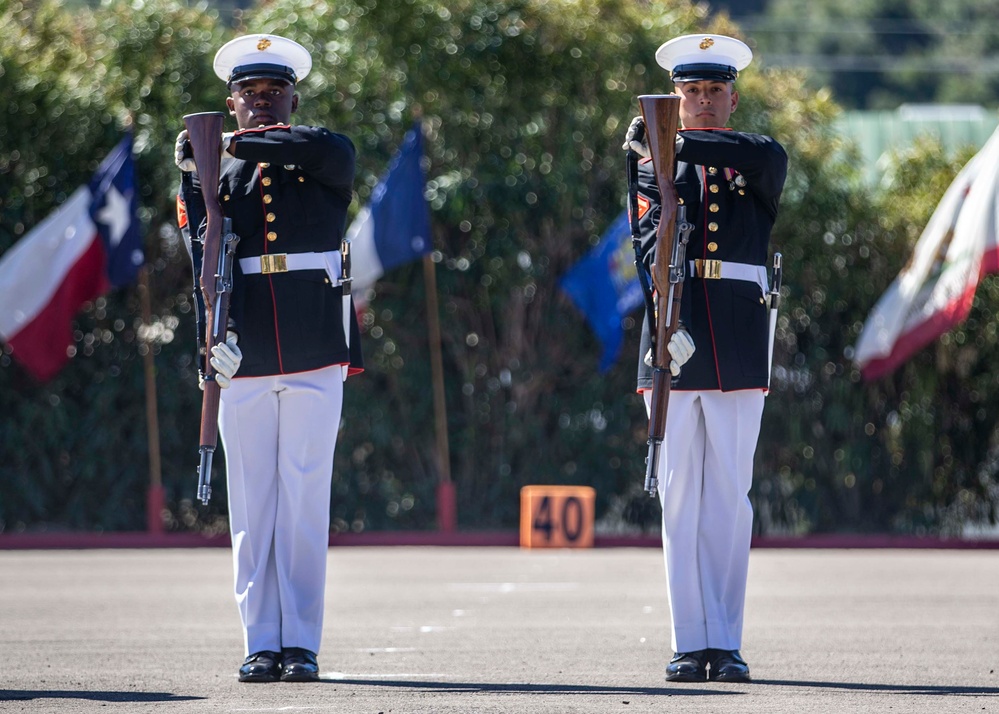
x=500, y=629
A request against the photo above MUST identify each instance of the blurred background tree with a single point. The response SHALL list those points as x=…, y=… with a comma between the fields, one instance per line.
x=524, y=104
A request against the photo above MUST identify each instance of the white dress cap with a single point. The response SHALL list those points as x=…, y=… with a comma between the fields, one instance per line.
x=256, y=56
x=695, y=57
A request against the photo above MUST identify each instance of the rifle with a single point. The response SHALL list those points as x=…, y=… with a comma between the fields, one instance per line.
x=345, y=285
x=204, y=131
x=661, y=113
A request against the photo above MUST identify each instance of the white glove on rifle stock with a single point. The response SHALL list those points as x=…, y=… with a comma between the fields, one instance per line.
x=182, y=155
x=681, y=349
x=184, y=158
x=634, y=139
x=225, y=359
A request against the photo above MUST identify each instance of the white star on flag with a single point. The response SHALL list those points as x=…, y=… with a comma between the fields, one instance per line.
x=115, y=215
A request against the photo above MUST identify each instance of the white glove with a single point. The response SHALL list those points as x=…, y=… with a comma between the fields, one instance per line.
x=225, y=359
x=634, y=138
x=182, y=154
x=182, y=151
x=681, y=348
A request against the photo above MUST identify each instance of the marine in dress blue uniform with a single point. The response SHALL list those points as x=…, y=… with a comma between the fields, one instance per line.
x=730, y=183
x=286, y=188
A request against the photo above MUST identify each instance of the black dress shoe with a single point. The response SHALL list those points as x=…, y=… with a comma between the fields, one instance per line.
x=688, y=667
x=300, y=665
x=728, y=666
x=264, y=666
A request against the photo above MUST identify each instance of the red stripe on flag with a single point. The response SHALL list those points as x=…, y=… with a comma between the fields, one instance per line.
x=990, y=262
x=40, y=346
x=923, y=334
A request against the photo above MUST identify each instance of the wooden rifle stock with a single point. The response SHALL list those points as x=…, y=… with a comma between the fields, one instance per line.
x=204, y=131
x=662, y=120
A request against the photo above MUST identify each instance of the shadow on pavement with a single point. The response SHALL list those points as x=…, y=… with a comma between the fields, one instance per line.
x=22, y=695
x=519, y=688
x=686, y=689
x=934, y=690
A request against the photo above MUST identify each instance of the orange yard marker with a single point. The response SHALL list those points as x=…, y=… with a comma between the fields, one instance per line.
x=556, y=516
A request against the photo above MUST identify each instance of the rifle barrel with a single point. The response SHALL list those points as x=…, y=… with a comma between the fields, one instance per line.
x=661, y=113
x=204, y=131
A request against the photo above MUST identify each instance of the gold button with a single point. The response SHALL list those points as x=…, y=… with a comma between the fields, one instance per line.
x=712, y=226
x=272, y=236
x=712, y=247
x=679, y=201
x=271, y=217
x=741, y=192
x=264, y=166
x=712, y=170
x=762, y=302
x=226, y=197
x=301, y=179
x=267, y=198
x=266, y=181
x=713, y=188
x=713, y=208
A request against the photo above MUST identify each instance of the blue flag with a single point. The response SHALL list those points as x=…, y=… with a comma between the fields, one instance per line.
x=394, y=228
x=604, y=286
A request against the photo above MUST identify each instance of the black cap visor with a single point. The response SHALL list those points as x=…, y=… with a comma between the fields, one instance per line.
x=247, y=72
x=699, y=72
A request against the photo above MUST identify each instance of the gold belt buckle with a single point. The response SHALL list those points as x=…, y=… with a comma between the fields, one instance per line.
x=274, y=263
x=708, y=269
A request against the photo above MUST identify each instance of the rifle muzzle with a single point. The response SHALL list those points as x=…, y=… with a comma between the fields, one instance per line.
x=205, y=475
x=652, y=468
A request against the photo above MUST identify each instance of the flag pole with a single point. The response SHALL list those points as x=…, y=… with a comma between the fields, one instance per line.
x=447, y=516
x=156, y=497
x=447, y=508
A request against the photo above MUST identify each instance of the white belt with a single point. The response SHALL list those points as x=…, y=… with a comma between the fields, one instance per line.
x=329, y=261
x=727, y=270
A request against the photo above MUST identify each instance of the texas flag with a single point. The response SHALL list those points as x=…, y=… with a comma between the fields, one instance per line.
x=936, y=288
x=87, y=246
x=394, y=228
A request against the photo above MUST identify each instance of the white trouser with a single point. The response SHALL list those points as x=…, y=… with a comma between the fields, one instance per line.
x=704, y=478
x=279, y=435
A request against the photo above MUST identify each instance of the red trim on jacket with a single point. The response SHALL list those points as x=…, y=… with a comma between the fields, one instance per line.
x=270, y=279
x=260, y=129
x=707, y=303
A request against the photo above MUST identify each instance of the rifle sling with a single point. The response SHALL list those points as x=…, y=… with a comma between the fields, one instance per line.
x=636, y=242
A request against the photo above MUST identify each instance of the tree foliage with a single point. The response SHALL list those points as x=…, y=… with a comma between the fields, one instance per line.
x=524, y=103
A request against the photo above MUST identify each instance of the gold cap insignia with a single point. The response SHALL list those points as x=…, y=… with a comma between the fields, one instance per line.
x=263, y=44
x=706, y=43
